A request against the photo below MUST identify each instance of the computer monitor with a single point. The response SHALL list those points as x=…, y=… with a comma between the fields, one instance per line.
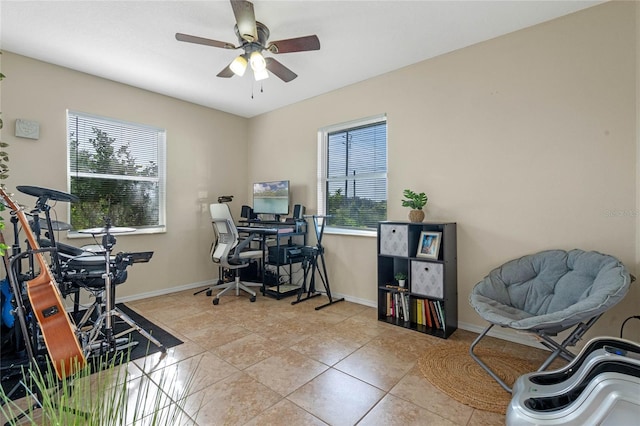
x=271, y=197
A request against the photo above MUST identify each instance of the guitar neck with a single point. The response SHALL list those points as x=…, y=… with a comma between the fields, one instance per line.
x=5, y=257
x=31, y=239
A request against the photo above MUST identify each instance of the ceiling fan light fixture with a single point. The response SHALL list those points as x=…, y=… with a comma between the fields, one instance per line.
x=260, y=74
x=239, y=65
x=257, y=61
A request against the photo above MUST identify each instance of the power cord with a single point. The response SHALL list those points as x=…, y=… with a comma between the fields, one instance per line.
x=625, y=321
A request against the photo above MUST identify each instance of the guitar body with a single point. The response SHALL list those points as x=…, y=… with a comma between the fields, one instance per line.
x=56, y=327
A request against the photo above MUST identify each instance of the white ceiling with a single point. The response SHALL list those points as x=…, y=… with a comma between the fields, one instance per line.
x=133, y=42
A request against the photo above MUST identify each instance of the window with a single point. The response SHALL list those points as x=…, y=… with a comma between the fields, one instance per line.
x=352, y=174
x=117, y=169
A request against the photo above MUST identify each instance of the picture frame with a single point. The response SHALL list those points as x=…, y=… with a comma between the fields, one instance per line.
x=429, y=245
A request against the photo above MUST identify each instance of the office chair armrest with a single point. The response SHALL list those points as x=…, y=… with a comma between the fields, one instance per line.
x=241, y=246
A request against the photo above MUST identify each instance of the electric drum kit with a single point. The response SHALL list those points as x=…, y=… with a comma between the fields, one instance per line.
x=93, y=268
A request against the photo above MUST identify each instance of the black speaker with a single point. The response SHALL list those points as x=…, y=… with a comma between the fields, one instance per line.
x=298, y=211
x=246, y=212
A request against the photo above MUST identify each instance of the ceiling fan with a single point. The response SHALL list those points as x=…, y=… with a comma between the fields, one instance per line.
x=252, y=36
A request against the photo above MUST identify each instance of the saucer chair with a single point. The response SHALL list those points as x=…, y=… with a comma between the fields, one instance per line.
x=547, y=293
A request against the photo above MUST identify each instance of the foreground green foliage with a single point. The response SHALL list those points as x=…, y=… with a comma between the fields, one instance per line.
x=110, y=397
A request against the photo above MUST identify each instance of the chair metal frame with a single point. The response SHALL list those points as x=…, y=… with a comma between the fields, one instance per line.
x=558, y=349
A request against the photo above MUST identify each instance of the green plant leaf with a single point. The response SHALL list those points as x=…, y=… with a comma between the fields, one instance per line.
x=414, y=200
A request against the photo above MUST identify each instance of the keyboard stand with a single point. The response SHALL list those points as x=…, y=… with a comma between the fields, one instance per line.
x=310, y=265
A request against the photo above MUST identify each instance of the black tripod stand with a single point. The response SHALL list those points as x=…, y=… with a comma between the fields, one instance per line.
x=103, y=338
x=310, y=266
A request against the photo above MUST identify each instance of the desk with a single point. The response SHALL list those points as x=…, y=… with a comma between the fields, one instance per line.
x=264, y=232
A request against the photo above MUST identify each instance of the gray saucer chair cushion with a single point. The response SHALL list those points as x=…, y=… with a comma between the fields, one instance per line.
x=551, y=290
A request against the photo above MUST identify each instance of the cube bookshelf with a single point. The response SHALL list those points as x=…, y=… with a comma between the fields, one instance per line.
x=426, y=252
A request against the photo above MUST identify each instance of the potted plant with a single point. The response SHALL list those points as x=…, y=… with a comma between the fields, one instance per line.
x=401, y=277
x=416, y=202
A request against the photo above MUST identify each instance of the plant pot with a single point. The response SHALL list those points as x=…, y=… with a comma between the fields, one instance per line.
x=402, y=283
x=416, y=215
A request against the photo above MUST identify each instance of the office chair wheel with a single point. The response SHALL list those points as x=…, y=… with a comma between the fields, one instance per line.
x=216, y=301
x=209, y=292
x=253, y=298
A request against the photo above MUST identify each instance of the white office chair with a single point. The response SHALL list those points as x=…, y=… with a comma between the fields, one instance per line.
x=228, y=252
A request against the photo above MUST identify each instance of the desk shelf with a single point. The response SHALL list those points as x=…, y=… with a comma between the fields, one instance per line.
x=274, y=237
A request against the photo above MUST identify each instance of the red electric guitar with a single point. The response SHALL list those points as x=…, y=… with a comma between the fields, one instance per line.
x=44, y=295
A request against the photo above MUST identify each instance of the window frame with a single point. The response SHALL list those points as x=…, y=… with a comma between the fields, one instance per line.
x=322, y=179
x=162, y=172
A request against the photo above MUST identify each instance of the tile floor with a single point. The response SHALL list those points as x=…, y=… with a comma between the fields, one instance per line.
x=271, y=363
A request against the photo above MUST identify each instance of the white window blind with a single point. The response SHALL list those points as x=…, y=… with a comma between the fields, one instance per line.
x=117, y=169
x=353, y=174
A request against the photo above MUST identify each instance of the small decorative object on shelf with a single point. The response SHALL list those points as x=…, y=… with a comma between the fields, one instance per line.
x=416, y=202
x=401, y=277
x=429, y=244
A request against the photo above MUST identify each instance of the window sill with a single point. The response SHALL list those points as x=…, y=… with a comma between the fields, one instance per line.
x=351, y=232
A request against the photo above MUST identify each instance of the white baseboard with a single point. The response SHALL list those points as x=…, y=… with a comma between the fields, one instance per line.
x=164, y=291
x=499, y=333
x=357, y=300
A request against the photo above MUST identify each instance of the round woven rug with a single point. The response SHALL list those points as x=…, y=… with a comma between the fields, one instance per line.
x=450, y=368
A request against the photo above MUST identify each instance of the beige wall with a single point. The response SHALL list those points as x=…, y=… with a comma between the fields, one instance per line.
x=206, y=152
x=527, y=141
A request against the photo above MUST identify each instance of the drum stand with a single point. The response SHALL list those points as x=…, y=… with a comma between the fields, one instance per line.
x=111, y=342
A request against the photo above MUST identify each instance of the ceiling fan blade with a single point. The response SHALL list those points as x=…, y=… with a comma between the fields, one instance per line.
x=226, y=72
x=299, y=44
x=206, y=41
x=245, y=19
x=282, y=72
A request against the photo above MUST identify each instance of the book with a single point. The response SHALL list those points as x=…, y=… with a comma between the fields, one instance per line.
x=405, y=307
x=389, y=308
x=418, y=312
x=427, y=314
x=440, y=313
x=397, y=288
x=394, y=304
x=432, y=308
